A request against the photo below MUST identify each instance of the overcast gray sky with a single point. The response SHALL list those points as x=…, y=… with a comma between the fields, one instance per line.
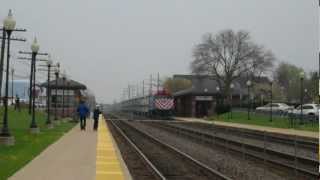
x=108, y=43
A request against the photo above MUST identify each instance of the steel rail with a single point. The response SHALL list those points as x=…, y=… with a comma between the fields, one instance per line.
x=179, y=152
x=155, y=171
x=254, y=148
x=255, y=134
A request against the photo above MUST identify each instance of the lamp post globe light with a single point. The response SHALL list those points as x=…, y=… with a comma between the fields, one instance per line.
x=56, y=73
x=301, y=96
x=49, y=122
x=5, y=137
x=249, y=99
x=231, y=98
x=34, y=48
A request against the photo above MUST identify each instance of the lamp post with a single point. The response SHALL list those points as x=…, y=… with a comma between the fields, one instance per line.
x=34, y=48
x=271, y=97
x=3, y=44
x=231, y=103
x=63, y=86
x=12, y=73
x=218, y=100
x=218, y=94
x=49, y=122
x=9, y=24
x=68, y=98
x=249, y=102
x=30, y=86
x=301, y=95
x=56, y=73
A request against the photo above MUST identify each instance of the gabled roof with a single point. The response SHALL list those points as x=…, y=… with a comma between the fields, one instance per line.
x=204, y=85
x=67, y=84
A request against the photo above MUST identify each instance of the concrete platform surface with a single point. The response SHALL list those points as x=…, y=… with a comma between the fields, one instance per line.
x=73, y=157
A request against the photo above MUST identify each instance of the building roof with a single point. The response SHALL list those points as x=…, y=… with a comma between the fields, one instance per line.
x=205, y=85
x=67, y=84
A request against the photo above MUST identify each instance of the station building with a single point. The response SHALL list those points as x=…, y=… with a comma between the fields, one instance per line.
x=71, y=90
x=201, y=98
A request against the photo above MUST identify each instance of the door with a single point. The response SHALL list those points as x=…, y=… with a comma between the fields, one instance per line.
x=202, y=108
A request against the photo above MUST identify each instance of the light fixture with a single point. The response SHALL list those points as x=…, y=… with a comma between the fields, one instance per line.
x=35, y=46
x=9, y=23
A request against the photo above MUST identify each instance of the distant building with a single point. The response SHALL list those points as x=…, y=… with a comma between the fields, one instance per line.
x=71, y=90
x=201, y=98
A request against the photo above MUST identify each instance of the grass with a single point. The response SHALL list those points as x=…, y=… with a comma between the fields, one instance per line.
x=264, y=120
x=27, y=146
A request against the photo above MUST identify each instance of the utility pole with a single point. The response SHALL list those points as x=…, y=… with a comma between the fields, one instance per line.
x=319, y=71
x=150, y=86
x=31, y=73
x=3, y=37
x=129, y=92
x=49, y=66
x=137, y=90
x=143, y=88
x=158, y=83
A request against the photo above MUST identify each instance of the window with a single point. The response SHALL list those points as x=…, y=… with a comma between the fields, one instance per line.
x=307, y=107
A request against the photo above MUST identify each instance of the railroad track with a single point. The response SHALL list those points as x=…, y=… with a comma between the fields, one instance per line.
x=308, y=167
x=261, y=139
x=166, y=161
x=139, y=165
x=305, y=143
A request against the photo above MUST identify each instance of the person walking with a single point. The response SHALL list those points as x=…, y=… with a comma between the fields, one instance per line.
x=17, y=103
x=83, y=112
x=96, y=114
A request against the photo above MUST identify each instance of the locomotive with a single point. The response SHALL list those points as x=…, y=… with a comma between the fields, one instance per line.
x=159, y=105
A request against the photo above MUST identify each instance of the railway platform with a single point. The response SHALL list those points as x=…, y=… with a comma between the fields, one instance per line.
x=290, y=132
x=78, y=155
x=109, y=163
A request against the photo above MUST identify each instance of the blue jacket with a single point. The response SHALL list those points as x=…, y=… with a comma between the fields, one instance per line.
x=82, y=110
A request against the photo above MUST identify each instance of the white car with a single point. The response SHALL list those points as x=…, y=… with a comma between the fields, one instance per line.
x=276, y=107
x=308, y=109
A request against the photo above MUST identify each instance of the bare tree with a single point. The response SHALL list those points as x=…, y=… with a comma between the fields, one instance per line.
x=228, y=56
x=176, y=84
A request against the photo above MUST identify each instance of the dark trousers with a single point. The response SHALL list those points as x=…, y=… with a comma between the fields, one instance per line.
x=95, y=123
x=83, y=122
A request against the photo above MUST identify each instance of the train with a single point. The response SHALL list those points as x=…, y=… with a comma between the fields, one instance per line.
x=159, y=105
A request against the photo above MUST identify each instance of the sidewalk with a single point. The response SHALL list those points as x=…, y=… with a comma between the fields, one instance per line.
x=301, y=133
x=73, y=157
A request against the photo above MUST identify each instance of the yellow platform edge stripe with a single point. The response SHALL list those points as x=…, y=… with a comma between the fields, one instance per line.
x=107, y=162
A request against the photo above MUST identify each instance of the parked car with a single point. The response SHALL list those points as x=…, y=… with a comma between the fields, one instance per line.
x=276, y=107
x=40, y=105
x=308, y=109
